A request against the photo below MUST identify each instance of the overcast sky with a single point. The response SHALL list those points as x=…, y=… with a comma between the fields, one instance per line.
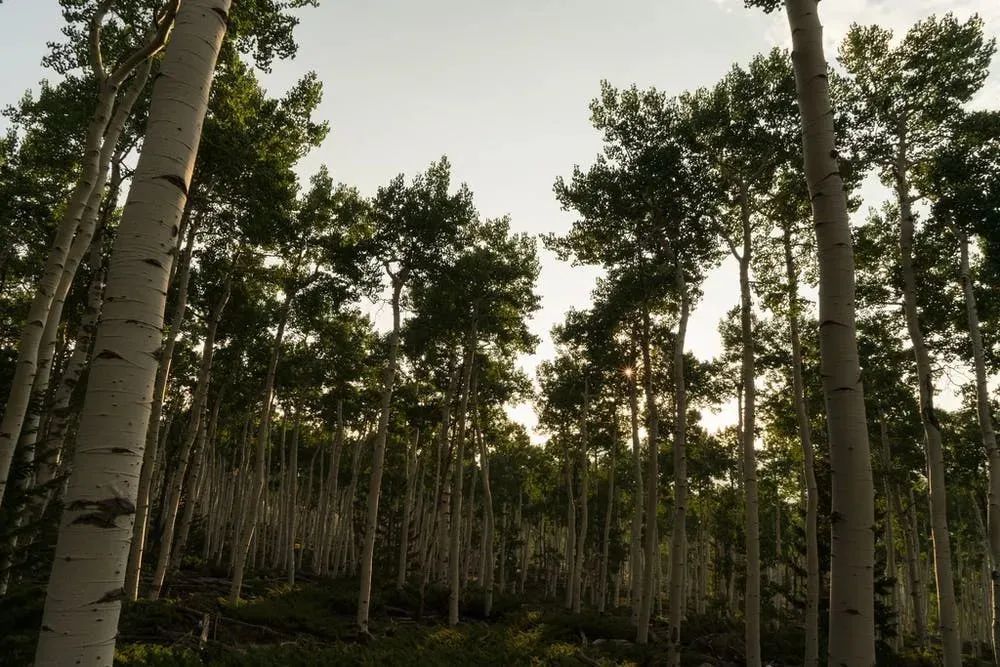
x=502, y=89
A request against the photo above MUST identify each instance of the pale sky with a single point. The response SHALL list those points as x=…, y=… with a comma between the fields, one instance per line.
x=502, y=88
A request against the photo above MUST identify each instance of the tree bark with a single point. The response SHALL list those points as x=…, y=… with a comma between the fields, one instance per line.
x=944, y=576
x=678, y=543
x=584, y=472
x=651, y=556
x=852, y=611
x=378, y=462
x=404, y=531
x=487, y=556
x=635, y=553
x=256, y=491
x=199, y=402
x=83, y=602
x=602, y=600
x=166, y=355
x=811, y=658
x=454, y=537
x=988, y=433
x=748, y=437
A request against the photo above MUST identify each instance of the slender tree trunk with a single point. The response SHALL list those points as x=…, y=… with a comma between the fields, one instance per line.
x=404, y=531
x=811, y=658
x=83, y=602
x=602, y=600
x=256, y=492
x=144, y=494
x=199, y=402
x=110, y=155
x=988, y=433
x=678, y=544
x=97, y=154
x=748, y=437
x=635, y=553
x=947, y=607
x=293, y=500
x=488, y=559
x=378, y=462
x=651, y=556
x=852, y=606
x=570, y=532
x=199, y=491
x=454, y=537
x=584, y=471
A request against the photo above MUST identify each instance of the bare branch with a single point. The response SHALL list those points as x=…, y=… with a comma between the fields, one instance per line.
x=164, y=23
x=96, y=58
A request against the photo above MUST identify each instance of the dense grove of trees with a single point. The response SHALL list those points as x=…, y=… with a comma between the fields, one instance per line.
x=208, y=365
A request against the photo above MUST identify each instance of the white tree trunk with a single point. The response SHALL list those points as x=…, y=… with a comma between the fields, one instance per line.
x=83, y=601
x=454, y=536
x=852, y=612
x=651, y=555
x=145, y=485
x=811, y=658
x=748, y=436
x=678, y=544
x=635, y=553
x=378, y=463
x=944, y=576
x=989, y=437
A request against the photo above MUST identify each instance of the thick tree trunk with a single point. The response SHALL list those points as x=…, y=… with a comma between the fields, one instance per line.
x=84, y=595
x=988, y=433
x=852, y=610
x=811, y=658
x=947, y=607
x=378, y=462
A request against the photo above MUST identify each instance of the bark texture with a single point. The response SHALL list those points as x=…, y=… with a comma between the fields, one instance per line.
x=852, y=613
x=85, y=591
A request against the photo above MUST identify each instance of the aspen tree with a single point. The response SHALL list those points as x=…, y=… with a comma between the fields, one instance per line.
x=85, y=588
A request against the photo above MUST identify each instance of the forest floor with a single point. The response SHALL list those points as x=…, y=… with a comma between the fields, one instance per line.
x=312, y=623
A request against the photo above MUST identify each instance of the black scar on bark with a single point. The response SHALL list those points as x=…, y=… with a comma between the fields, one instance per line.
x=114, y=595
x=176, y=181
x=105, y=513
x=109, y=354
